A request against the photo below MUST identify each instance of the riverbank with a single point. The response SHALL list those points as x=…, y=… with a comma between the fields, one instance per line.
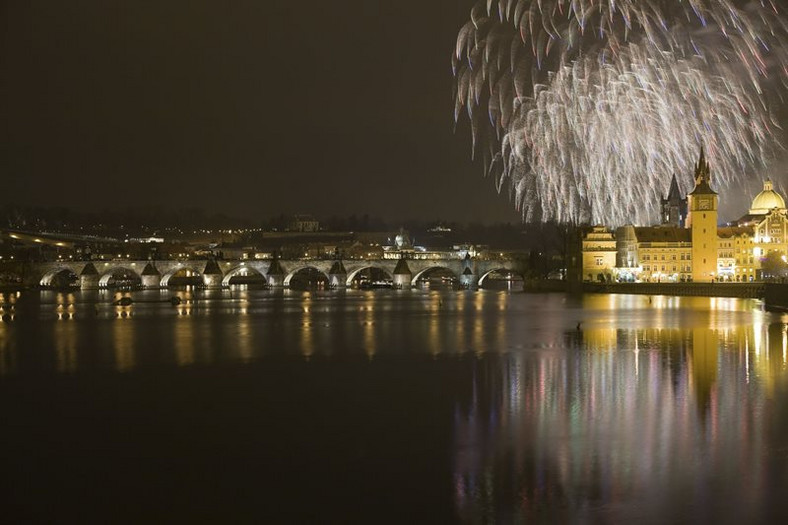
x=775, y=295
x=741, y=290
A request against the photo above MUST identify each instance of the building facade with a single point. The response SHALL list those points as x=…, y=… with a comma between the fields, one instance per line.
x=689, y=245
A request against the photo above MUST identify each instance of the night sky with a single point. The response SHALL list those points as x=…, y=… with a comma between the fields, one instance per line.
x=251, y=108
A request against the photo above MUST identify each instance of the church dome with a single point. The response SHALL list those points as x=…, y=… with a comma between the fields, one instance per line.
x=766, y=200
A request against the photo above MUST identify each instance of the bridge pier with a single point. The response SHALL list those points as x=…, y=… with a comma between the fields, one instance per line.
x=337, y=275
x=468, y=279
x=89, y=277
x=402, y=276
x=276, y=275
x=212, y=276
x=151, y=278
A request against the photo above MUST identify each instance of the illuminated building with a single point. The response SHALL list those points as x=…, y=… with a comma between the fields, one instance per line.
x=599, y=253
x=702, y=221
x=693, y=247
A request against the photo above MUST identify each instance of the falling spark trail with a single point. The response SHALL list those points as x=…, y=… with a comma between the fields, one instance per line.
x=589, y=125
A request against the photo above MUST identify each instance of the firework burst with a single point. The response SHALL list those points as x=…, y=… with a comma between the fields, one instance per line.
x=585, y=108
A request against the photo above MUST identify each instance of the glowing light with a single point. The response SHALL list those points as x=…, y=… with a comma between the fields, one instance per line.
x=575, y=120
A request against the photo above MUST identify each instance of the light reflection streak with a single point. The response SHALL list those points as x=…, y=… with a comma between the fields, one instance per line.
x=183, y=341
x=123, y=344
x=65, y=347
x=307, y=334
x=603, y=418
x=7, y=354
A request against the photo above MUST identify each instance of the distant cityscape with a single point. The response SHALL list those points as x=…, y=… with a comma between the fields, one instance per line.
x=37, y=236
x=687, y=246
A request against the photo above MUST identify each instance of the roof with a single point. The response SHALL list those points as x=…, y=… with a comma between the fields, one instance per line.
x=702, y=177
x=702, y=188
x=767, y=200
x=750, y=219
x=663, y=234
x=732, y=231
x=674, y=194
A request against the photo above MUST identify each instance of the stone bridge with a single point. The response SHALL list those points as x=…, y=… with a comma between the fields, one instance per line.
x=403, y=273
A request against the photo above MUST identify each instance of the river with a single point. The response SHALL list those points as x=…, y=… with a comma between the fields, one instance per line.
x=428, y=406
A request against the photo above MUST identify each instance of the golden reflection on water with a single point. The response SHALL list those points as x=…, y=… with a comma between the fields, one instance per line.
x=8, y=358
x=65, y=337
x=307, y=333
x=123, y=343
x=624, y=410
x=183, y=340
x=368, y=332
x=243, y=338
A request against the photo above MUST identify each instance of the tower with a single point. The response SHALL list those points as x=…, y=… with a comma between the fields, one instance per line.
x=702, y=220
x=674, y=207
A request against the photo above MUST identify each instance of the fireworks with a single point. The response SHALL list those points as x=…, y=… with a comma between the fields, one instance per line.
x=585, y=108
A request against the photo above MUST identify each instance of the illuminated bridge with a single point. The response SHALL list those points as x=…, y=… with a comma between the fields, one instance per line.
x=402, y=273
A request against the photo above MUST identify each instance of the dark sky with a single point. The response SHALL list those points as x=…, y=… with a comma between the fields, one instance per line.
x=248, y=107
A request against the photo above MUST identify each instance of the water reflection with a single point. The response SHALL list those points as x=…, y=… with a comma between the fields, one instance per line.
x=123, y=344
x=594, y=408
x=65, y=337
x=183, y=338
x=641, y=416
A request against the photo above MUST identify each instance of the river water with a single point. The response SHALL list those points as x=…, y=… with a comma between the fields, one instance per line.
x=391, y=406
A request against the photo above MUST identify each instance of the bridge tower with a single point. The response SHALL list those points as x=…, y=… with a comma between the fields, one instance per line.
x=89, y=277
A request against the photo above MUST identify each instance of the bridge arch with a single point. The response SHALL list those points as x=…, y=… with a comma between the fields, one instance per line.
x=165, y=279
x=59, y=277
x=126, y=274
x=243, y=271
x=500, y=270
x=309, y=269
x=351, y=276
x=431, y=269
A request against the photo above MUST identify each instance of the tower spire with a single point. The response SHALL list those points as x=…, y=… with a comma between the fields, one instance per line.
x=702, y=170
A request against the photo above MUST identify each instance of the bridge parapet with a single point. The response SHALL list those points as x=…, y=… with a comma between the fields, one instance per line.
x=277, y=272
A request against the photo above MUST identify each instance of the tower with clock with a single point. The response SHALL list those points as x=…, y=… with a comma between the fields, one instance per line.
x=702, y=220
